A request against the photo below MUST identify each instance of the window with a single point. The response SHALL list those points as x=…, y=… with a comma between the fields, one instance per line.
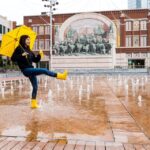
x=136, y=40
x=47, y=31
x=41, y=30
x=128, y=26
x=143, y=40
x=128, y=41
x=57, y=28
x=4, y=29
x=0, y=29
x=35, y=29
x=41, y=44
x=36, y=45
x=30, y=20
x=47, y=44
x=143, y=25
x=136, y=25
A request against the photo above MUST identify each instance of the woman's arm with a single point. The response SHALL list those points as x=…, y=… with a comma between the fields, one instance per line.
x=18, y=55
x=36, y=58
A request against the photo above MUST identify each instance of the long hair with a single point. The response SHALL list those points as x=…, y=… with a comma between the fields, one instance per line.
x=22, y=42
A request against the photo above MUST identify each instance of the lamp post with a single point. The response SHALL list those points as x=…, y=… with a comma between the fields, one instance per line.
x=51, y=5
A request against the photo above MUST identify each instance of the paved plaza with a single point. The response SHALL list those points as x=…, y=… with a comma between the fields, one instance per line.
x=85, y=112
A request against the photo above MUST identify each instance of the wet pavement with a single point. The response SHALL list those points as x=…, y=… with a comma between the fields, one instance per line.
x=87, y=108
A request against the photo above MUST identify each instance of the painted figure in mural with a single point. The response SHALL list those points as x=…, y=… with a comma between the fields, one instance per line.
x=111, y=28
x=78, y=47
x=70, y=48
x=108, y=47
x=85, y=48
x=100, y=48
x=92, y=48
x=56, y=49
x=63, y=48
x=99, y=30
x=71, y=34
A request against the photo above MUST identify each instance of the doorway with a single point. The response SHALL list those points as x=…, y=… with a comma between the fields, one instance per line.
x=136, y=63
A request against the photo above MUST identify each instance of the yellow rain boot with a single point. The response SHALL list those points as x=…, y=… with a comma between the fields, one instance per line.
x=62, y=76
x=34, y=103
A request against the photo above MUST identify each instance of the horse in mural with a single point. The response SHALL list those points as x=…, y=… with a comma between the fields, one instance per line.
x=70, y=48
x=85, y=48
x=78, y=47
x=62, y=49
x=92, y=47
x=100, y=48
x=108, y=47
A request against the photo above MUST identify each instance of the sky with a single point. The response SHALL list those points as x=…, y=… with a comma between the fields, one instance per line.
x=14, y=10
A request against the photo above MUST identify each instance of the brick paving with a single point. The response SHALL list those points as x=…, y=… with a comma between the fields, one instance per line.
x=13, y=144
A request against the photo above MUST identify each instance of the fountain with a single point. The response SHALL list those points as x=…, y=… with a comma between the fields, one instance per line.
x=11, y=89
x=58, y=88
x=11, y=83
x=3, y=91
x=139, y=98
x=20, y=84
x=78, y=81
x=92, y=84
x=140, y=101
x=41, y=105
x=45, y=84
x=50, y=94
x=80, y=92
x=71, y=84
x=88, y=91
x=133, y=87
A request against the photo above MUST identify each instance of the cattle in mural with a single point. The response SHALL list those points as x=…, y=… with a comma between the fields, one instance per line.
x=86, y=40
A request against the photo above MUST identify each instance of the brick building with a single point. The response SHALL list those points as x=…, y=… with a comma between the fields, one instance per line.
x=131, y=29
x=5, y=26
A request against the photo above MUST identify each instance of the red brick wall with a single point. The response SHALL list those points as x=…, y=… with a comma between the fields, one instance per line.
x=148, y=31
x=113, y=15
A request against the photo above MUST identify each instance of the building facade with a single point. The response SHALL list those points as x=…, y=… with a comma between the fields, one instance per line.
x=106, y=39
x=5, y=26
x=137, y=4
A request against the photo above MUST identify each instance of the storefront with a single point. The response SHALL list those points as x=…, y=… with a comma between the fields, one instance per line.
x=136, y=63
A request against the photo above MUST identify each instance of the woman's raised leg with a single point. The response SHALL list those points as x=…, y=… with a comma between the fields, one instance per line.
x=34, y=83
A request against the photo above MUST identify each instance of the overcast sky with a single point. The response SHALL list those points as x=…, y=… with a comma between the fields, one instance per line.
x=14, y=10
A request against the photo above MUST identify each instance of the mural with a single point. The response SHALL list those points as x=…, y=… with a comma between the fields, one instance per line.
x=86, y=36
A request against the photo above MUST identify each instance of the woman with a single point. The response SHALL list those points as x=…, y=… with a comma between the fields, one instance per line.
x=24, y=58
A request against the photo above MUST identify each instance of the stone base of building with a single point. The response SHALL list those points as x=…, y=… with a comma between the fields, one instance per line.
x=133, y=60
x=122, y=60
x=85, y=62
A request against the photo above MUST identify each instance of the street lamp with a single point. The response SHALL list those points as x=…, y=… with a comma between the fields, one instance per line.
x=51, y=4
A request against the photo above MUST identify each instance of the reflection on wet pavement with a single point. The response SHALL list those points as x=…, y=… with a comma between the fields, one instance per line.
x=133, y=93
x=93, y=108
x=73, y=109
